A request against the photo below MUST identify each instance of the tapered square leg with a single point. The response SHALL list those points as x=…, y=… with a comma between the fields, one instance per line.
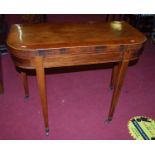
x=115, y=70
x=42, y=89
x=1, y=79
x=1, y=87
x=25, y=84
x=122, y=68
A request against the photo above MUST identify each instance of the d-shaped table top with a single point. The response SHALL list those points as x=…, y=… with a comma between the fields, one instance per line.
x=44, y=36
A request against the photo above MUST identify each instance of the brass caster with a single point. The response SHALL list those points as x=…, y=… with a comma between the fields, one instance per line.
x=47, y=131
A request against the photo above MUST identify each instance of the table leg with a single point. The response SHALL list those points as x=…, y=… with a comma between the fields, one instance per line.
x=42, y=89
x=1, y=80
x=1, y=87
x=117, y=88
x=114, y=75
x=25, y=84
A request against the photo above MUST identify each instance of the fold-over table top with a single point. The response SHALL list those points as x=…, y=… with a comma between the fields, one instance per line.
x=48, y=36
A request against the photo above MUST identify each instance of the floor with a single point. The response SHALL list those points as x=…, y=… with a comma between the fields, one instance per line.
x=78, y=102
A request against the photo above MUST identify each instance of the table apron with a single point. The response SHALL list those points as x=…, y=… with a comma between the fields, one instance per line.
x=65, y=60
x=82, y=59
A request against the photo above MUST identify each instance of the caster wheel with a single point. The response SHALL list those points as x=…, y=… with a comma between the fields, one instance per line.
x=108, y=120
x=47, y=131
x=26, y=98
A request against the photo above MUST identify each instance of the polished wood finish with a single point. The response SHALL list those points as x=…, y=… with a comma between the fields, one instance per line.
x=122, y=68
x=25, y=83
x=38, y=61
x=56, y=45
x=114, y=75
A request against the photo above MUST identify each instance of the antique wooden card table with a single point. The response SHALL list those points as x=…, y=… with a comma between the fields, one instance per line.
x=43, y=46
x=1, y=80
